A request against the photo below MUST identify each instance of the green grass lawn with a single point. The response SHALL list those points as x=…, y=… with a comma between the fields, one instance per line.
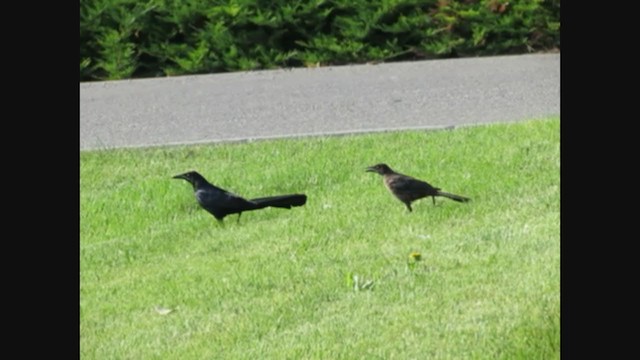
x=281, y=284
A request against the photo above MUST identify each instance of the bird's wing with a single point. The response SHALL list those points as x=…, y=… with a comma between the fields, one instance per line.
x=216, y=196
x=237, y=202
x=407, y=184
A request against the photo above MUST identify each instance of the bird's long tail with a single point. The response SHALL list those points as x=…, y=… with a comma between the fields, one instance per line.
x=281, y=201
x=453, y=196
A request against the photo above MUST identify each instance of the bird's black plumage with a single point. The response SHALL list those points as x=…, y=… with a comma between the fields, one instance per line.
x=220, y=202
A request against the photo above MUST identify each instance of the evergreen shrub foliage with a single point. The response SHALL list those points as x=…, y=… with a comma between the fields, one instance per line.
x=142, y=38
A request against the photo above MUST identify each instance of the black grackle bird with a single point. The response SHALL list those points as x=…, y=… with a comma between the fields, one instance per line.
x=221, y=203
x=408, y=189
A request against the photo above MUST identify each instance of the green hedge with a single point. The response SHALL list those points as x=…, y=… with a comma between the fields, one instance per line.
x=137, y=38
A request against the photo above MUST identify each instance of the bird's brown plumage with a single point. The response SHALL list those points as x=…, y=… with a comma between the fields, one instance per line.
x=409, y=189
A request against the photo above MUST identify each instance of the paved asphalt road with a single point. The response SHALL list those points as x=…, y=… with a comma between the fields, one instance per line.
x=330, y=100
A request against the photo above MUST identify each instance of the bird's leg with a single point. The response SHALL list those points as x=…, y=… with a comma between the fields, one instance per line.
x=434, y=199
x=408, y=206
x=239, y=214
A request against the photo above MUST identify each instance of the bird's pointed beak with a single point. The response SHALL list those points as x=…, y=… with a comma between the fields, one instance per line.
x=370, y=169
x=181, y=176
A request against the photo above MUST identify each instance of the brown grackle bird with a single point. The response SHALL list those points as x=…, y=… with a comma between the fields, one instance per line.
x=408, y=189
x=220, y=203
